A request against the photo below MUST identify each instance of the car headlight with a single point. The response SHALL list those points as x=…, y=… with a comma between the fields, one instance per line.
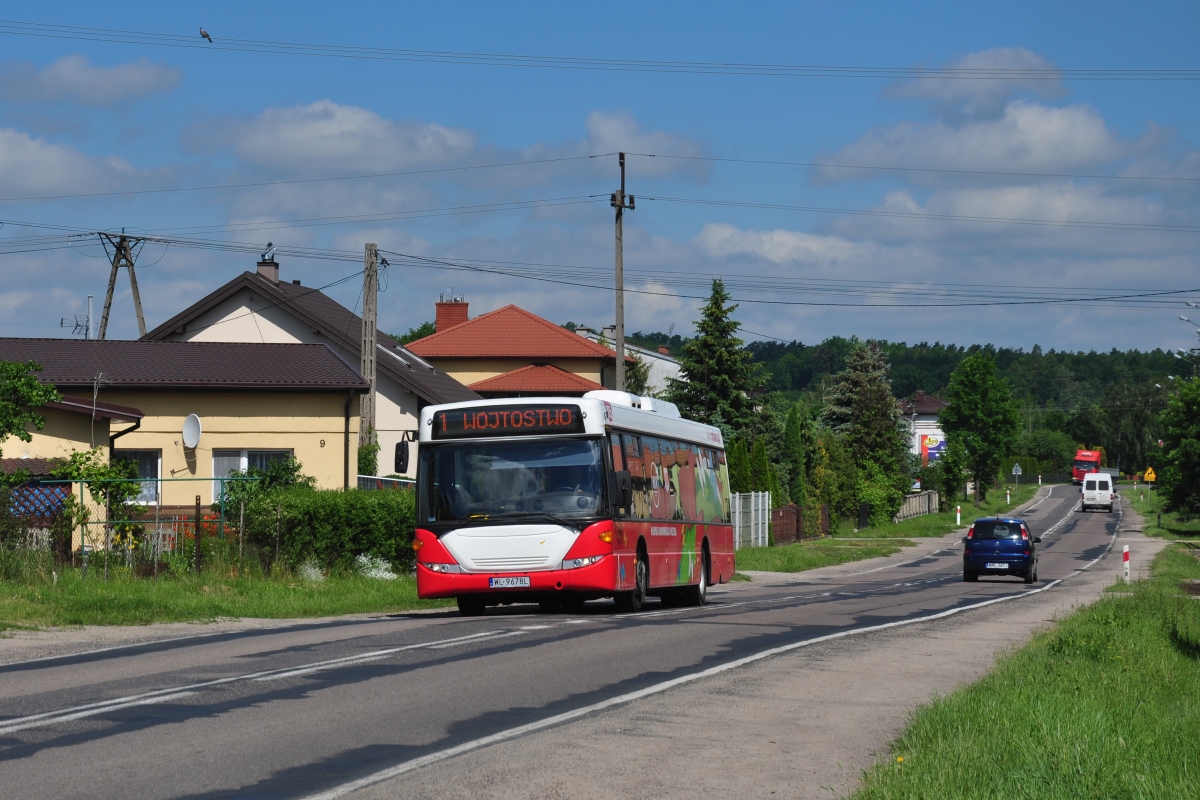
x=443, y=568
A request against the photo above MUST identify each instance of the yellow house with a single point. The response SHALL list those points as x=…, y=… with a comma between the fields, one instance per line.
x=259, y=307
x=255, y=403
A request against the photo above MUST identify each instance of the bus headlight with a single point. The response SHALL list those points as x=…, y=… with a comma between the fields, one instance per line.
x=576, y=563
x=443, y=568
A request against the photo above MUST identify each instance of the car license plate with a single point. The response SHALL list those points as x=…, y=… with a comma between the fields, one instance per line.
x=994, y=565
x=521, y=582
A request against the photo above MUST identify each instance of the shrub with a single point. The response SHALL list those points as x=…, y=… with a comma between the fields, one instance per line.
x=331, y=528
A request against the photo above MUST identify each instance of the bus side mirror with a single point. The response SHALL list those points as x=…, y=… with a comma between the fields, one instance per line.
x=401, y=458
x=622, y=489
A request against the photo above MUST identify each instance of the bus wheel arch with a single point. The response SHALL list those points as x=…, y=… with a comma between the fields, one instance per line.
x=633, y=599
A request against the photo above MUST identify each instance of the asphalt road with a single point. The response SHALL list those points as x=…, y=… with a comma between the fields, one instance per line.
x=312, y=709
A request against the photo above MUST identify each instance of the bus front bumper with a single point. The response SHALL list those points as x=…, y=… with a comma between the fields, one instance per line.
x=599, y=579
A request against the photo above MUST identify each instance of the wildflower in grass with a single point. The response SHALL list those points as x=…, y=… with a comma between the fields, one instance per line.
x=374, y=567
x=309, y=571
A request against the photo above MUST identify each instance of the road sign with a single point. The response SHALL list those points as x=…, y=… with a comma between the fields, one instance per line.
x=1148, y=476
x=1016, y=469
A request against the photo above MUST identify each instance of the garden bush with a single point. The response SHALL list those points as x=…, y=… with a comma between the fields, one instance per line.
x=331, y=528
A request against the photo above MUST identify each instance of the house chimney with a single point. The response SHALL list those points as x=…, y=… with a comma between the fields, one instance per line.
x=267, y=266
x=664, y=350
x=451, y=311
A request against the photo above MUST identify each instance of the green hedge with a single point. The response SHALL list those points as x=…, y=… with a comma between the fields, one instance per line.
x=332, y=528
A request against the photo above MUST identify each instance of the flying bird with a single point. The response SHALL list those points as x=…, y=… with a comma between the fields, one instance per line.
x=204, y=33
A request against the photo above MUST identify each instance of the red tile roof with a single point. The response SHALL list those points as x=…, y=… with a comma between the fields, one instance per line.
x=536, y=378
x=508, y=332
x=36, y=467
x=82, y=405
x=922, y=404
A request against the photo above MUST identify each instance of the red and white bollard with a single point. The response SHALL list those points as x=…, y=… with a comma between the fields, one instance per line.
x=1125, y=558
x=958, y=515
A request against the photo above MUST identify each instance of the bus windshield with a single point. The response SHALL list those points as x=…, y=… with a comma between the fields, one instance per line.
x=475, y=482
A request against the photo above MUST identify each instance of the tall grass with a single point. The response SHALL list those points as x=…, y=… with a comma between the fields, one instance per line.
x=1106, y=704
x=1150, y=505
x=812, y=554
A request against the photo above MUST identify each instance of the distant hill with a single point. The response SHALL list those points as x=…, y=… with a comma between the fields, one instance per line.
x=1039, y=378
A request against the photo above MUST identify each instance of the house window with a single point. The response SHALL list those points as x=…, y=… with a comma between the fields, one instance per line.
x=228, y=462
x=149, y=466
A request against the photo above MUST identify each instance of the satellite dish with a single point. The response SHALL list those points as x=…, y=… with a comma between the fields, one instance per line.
x=191, y=431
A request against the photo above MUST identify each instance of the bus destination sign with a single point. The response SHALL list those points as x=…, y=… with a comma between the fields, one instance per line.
x=530, y=420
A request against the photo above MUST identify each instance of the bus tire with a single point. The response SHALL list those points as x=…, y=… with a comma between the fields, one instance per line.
x=470, y=605
x=698, y=595
x=633, y=600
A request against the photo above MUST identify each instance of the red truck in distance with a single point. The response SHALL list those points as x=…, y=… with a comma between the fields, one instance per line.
x=1085, y=461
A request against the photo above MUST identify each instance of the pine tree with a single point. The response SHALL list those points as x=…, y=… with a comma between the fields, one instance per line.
x=795, y=452
x=718, y=374
x=763, y=475
x=738, y=459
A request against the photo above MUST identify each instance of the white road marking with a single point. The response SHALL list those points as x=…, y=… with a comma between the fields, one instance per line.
x=559, y=719
x=461, y=643
x=91, y=709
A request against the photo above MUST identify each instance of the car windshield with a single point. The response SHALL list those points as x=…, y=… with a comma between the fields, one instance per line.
x=1085, y=465
x=992, y=529
x=489, y=481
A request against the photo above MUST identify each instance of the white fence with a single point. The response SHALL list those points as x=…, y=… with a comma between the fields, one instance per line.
x=916, y=505
x=751, y=518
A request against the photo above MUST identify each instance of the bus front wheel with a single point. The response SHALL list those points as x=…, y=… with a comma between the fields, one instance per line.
x=631, y=601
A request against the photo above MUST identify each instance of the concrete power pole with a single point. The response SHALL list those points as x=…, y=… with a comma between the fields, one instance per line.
x=366, y=424
x=618, y=201
x=121, y=249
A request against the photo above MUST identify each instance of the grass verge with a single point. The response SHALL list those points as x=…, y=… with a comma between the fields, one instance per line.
x=1106, y=704
x=125, y=600
x=815, y=553
x=1149, y=504
x=940, y=524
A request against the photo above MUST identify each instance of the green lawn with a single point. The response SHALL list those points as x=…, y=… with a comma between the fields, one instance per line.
x=126, y=600
x=942, y=523
x=1147, y=503
x=814, y=553
x=1106, y=704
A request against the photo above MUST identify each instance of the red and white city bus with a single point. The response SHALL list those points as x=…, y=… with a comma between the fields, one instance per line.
x=563, y=500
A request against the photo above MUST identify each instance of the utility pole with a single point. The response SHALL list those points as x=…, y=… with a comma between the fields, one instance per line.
x=618, y=201
x=122, y=251
x=366, y=414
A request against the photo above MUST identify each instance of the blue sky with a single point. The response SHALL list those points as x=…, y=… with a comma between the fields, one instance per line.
x=90, y=117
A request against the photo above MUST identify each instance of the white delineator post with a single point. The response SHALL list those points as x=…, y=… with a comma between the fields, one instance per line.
x=1007, y=496
x=958, y=515
x=1125, y=558
x=1039, y=480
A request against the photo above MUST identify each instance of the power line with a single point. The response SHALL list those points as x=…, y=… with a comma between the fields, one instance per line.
x=934, y=170
x=1064, y=223
x=320, y=50
x=437, y=263
x=260, y=184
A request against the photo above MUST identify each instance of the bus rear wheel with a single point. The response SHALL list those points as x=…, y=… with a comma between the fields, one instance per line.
x=697, y=595
x=471, y=605
x=632, y=601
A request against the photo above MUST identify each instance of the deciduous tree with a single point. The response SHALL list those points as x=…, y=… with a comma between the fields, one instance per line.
x=982, y=418
x=1179, y=480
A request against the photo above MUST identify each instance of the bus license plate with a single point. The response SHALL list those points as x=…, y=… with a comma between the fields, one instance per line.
x=509, y=583
x=996, y=566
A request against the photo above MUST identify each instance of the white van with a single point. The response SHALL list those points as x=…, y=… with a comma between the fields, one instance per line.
x=1099, y=491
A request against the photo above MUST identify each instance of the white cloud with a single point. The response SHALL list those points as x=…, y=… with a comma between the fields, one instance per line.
x=719, y=240
x=74, y=79
x=1027, y=137
x=30, y=166
x=963, y=98
x=326, y=137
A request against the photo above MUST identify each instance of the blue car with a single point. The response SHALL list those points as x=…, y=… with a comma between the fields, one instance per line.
x=1000, y=546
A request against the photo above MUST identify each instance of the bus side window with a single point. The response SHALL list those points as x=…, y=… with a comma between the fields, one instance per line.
x=618, y=460
x=635, y=463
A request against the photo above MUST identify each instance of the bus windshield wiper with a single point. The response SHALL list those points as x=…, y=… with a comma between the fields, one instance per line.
x=542, y=515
